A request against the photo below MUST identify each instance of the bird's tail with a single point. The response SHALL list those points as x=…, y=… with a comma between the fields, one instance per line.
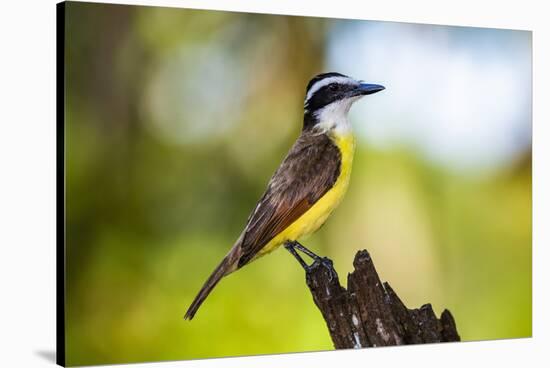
x=223, y=268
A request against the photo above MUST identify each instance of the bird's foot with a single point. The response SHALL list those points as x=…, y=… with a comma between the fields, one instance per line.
x=292, y=246
x=327, y=263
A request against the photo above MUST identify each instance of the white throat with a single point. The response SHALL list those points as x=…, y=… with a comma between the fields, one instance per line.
x=333, y=117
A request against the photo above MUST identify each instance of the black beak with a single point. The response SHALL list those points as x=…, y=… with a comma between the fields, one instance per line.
x=364, y=89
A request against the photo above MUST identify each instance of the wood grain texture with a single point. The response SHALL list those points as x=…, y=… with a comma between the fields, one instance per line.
x=369, y=313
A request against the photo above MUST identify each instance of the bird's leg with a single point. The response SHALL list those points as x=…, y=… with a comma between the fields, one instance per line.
x=289, y=245
x=304, y=250
x=292, y=246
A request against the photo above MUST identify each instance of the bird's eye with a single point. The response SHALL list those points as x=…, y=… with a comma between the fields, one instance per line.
x=334, y=87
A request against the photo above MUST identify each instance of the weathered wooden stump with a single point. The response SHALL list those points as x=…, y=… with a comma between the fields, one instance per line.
x=369, y=312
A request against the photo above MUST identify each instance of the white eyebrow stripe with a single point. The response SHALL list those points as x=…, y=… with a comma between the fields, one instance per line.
x=325, y=82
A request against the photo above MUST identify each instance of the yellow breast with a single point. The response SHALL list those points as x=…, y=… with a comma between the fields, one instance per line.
x=312, y=220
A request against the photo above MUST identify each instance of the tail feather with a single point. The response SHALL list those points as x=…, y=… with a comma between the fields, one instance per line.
x=220, y=271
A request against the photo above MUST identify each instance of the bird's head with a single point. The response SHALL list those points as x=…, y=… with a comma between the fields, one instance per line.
x=329, y=97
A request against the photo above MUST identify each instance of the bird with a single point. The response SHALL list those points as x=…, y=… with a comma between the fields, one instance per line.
x=308, y=185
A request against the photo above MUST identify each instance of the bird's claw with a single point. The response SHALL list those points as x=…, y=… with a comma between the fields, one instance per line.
x=325, y=262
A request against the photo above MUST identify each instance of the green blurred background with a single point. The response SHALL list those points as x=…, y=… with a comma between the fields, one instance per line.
x=177, y=118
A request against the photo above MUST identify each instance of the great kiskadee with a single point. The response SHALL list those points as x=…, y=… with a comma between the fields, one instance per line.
x=309, y=184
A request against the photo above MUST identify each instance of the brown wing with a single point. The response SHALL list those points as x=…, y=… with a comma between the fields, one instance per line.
x=306, y=174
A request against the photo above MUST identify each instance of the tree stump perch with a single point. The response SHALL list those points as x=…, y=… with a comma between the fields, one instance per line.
x=369, y=313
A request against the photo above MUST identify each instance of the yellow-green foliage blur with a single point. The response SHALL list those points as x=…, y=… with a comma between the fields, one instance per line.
x=176, y=119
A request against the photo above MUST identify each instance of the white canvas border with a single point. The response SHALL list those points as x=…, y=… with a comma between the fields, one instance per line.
x=27, y=185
